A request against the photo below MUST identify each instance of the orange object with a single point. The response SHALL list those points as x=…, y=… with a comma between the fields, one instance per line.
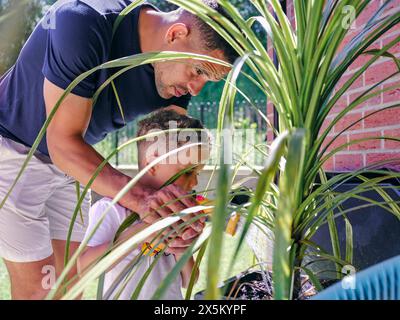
x=233, y=220
x=232, y=224
x=205, y=202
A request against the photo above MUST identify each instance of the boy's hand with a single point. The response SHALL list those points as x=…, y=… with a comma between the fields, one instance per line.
x=163, y=203
x=177, y=252
x=178, y=246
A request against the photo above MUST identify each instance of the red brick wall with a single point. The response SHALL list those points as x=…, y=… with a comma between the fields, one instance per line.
x=383, y=123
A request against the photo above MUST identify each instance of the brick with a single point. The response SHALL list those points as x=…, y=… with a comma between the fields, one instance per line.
x=345, y=162
x=386, y=40
x=271, y=51
x=345, y=41
x=392, y=95
x=383, y=118
x=347, y=120
x=392, y=145
x=376, y=157
x=340, y=104
x=270, y=135
x=291, y=15
x=365, y=145
x=329, y=165
x=373, y=101
x=368, y=12
x=270, y=117
x=358, y=83
x=379, y=71
x=325, y=125
x=270, y=108
x=375, y=45
x=360, y=61
x=393, y=5
x=382, y=68
x=339, y=141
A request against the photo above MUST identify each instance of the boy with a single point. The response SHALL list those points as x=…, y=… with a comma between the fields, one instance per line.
x=190, y=159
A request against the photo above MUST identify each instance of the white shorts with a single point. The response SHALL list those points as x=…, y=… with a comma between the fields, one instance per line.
x=40, y=207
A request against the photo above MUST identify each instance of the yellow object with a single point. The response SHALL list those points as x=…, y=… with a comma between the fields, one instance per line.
x=230, y=228
x=147, y=247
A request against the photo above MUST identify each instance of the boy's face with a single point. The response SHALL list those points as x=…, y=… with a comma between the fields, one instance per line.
x=191, y=158
x=186, y=181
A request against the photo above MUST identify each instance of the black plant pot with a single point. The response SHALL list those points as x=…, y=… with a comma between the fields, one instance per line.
x=376, y=231
x=255, y=286
x=249, y=286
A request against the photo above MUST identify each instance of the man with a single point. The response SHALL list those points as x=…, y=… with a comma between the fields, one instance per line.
x=34, y=220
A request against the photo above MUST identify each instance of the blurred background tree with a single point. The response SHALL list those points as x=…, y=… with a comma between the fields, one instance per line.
x=17, y=20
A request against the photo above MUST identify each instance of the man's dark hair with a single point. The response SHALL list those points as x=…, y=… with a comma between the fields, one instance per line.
x=211, y=38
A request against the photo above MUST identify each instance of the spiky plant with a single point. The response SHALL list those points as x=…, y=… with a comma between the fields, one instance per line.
x=304, y=89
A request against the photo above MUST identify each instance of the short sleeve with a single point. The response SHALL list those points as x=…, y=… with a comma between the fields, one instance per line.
x=80, y=41
x=107, y=229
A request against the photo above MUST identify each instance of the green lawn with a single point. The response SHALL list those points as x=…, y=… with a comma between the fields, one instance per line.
x=4, y=282
x=243, y=261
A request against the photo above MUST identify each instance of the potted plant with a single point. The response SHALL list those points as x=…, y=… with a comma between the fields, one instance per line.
x=288, y=198
x=293, y=196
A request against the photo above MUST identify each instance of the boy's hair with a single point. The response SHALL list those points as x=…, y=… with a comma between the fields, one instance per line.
x=212, y=39
x=162, y=120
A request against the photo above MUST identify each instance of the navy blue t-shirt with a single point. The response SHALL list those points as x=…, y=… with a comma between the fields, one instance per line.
x=79, y=39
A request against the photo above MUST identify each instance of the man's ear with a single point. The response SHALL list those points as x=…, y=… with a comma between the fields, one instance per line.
x=176, y=32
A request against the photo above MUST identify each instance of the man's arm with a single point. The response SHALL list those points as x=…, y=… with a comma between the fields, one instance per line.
x=72, y=155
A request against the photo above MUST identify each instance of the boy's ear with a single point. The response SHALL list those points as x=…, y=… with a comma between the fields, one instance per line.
x=149, y=159
x=152, y=171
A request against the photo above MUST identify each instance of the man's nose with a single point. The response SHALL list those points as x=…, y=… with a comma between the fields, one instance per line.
x=196, y=86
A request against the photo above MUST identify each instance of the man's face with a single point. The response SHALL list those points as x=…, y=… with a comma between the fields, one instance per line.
x=180, y=77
